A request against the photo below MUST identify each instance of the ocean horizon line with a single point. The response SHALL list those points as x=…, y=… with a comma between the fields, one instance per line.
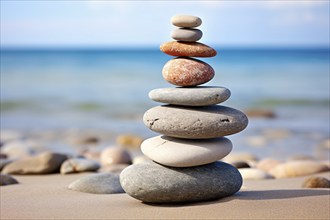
x=149, y=48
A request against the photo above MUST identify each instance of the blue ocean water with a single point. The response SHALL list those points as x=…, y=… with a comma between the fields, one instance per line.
x=59, y=88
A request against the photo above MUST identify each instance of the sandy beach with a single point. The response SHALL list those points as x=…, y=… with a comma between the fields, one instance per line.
x=47, y=197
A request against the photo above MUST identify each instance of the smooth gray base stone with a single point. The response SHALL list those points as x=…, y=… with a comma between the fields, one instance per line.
x=194, y=96
x=195, y=122
x=103, y=183
x=154, y=183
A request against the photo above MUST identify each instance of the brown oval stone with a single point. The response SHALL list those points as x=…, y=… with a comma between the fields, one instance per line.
x=187, y=49
x=187, y=72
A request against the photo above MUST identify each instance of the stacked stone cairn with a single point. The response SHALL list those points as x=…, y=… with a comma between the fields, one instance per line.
x=185, y=163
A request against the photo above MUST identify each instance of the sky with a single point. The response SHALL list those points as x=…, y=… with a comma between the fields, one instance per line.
x=77, y=23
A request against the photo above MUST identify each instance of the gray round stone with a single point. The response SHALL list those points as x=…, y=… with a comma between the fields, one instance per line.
x=154, y=183
x=194, y=96
x=187, y=21
x=104, y=183
x=76, y=165
x=187, y=34
x=195, y=122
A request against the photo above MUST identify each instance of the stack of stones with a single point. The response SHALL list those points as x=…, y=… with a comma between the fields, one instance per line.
x=185, y=165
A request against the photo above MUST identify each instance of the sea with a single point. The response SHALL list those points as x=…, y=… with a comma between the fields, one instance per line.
x=107, y=89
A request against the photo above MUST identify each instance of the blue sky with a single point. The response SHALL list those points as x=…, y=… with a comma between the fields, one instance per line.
x=147, y=23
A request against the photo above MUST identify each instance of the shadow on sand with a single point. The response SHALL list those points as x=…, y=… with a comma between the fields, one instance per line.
x=255, y=195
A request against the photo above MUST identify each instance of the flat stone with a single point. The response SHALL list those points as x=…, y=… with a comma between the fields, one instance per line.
x=43, y=163
x=195, y=122
x=195, y=96
x=177, y=152
x=187, y=72
x=187, y=34
x=298, y=168
x=6, y=179
x=254, y=174
x=239, y=157
x=154, y=183
x=187, y=49
x=115, y=155
x=267, y=164
x=76, y=165
x=187, y=21
x=102, y=183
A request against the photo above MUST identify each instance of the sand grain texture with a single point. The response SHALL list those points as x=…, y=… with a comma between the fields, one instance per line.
x=47, y=197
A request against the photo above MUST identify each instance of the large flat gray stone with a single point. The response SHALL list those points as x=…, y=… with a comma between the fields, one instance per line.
x=195, y=122
x=154, y=183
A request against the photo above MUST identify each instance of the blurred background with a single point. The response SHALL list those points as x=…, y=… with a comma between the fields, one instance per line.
x=75, y=68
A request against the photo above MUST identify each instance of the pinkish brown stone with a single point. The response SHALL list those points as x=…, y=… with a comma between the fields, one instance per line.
x=187, y=72
x=187, y=49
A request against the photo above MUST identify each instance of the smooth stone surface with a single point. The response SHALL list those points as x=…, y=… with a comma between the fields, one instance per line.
x=196, y=96
x=187, y=72
x=187, y=21
x=298, y=168
x=177, y=152
x=154, y=183
x=76, y=165
x=240, y=164
x=141, y=159
x=102, y=183
x=187, y=34
x=316, y=182
x=115, y=155
x=43, y=163
x=6, y=179
x=187, y=49
x=195, y=122
x=254, y=174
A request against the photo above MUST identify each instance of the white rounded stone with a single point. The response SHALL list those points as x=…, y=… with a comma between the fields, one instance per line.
x=177, y=152
x=254, y=174
x=187, y=21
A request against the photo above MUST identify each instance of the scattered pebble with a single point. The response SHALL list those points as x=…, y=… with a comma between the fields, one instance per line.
x=4, y=162
x=316, y=182
x=238, y=157
x=41, y=164
x=298, y=168
x=115, y=155
x=267, y=164
x=17, y=149
x=77, y=165
x=254, y=174
x=6, y=179
x=102, y=183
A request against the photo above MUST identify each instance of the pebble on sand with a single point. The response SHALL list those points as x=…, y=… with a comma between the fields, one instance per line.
x=76, y=165
x=6, y=179
x=316, y=182
x=129, y=141
x=115, y=155
x=254, y=174
x=43, y=163
x=102, y=183
x=298, y=168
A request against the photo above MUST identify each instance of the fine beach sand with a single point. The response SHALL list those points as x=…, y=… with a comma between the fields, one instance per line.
x=47, y=197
